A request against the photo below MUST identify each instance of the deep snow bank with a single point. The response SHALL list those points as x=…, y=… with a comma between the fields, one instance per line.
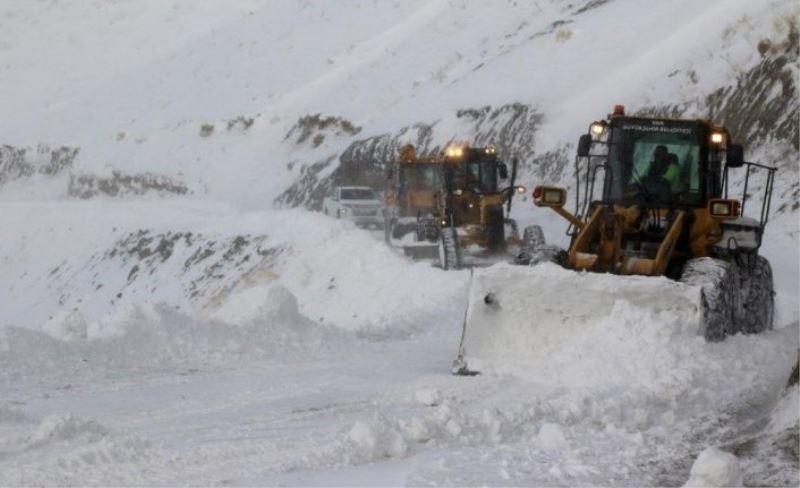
x=146, y=338
x=184, y=283
x=630, y=341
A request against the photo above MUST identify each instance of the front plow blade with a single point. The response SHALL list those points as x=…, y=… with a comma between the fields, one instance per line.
x=518, y=316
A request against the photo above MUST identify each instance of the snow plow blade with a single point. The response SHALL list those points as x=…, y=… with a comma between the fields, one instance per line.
x=518, y=316
x=421, y=251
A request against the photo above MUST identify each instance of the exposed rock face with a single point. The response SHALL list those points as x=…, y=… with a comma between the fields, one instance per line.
x=118, y=184
x=206, y=266
x=313, y=129
x=23, y=162
x=365, y=161
x=761, y=106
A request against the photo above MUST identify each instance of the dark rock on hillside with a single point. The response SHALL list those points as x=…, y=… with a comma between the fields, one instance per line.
x=365, y=162
x=118, y=184
x=24, y=162
x=313, y=129
x=761, y=106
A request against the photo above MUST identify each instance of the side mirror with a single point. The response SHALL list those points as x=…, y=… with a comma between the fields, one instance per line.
x=734, y=157
x=584, y=145
x=502, y=170
x=549, y=196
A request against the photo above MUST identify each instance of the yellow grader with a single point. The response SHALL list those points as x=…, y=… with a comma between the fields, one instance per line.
x=474, y=227
x=410, y=221
x=651, y=199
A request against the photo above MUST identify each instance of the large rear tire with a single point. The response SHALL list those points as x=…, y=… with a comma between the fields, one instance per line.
x=449, y=250
x=718, y=297
x=737, y=294
x=757, y=294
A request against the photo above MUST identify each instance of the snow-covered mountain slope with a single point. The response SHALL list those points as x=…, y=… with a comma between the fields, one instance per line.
x=207, y=93
x=162, y=322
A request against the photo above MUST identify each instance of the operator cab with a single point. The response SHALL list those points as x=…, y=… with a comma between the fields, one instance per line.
x=661, y=163
x=478, y=170
x=420, y=177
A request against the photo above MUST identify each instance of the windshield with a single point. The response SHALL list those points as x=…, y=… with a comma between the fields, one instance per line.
x=421, y=177
x=480, y=175
x=358, y=194
x=654, y=160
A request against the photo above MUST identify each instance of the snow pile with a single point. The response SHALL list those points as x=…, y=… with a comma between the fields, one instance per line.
x=428, y=396
x=715, y=467
x=209, y=260
x=347, y=277
x=551, y=437
x=535, y=313
x=64, y=449
x=375, y=440
x=615, y=351
x=148, y=337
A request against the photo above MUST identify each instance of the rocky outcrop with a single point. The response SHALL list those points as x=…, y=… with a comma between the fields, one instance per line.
x=24, y=162
x=365, y=162
x=119, y=185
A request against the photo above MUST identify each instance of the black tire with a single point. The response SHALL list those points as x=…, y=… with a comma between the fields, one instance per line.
x=757, y=294
x=535, y=250
x=449, y=250
x=738, y=294
x=533, y=237
x=719, y=296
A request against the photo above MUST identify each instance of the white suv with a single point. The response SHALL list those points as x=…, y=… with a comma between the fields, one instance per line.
x=359, y=204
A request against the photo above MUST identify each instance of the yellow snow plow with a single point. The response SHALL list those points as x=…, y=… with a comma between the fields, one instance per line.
x=410, y=219
x=475, y=229
x=653, y=215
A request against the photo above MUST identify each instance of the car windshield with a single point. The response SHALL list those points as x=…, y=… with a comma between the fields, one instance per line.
x=659, y=162
x=358, y=194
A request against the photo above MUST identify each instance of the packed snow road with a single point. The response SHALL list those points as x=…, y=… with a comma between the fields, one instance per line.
x=308, y=364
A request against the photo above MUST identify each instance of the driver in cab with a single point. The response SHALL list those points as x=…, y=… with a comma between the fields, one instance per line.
x=665, y=166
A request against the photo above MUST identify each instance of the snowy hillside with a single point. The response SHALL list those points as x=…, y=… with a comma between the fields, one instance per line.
x=173, y=311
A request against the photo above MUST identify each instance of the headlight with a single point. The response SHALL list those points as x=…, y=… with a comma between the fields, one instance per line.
x=520, y=189
x=458, y=192
x=597, y=129
x=454, y=151
x=717, y=138
x=490, y=149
